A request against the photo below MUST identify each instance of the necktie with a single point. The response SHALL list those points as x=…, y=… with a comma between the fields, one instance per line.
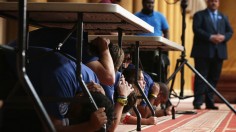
x=214, y=19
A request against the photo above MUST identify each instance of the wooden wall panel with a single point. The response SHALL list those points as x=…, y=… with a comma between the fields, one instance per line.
x=80, y=1
x=137, y=6
x=127, y=4
x=93, y=1
x=227, y=83
x=2, y=31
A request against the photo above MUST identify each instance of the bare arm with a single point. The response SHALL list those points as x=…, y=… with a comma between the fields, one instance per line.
x=104, y=68
x=166, y=33
x=145, y=110
x=164, y=112
x=118, y=112
x=124, y=90
x=94, y=87
x=144, y=121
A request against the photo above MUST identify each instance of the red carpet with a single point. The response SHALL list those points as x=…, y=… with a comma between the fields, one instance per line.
x=222, y=120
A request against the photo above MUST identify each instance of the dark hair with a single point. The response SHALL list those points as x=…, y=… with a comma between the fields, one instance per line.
x=117, y=55
x=129, y=74
x=80, y=112
x=132, y=98
x=116, y=52
x=164, y=90
x=143, y=1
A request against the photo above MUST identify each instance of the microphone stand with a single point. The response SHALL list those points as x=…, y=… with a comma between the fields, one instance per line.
x=182, y=60
x=183, y=53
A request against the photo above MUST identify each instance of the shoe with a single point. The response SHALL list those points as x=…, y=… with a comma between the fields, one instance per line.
x=212, y=107
x=197, y=107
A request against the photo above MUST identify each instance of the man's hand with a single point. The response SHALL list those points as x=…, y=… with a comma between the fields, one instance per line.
x=217, y=38
x=151, y=121
x=169, y=110
x=221, y=38
x=214, y=39
x=94, y=87
x=101, y=43
x=98, y=119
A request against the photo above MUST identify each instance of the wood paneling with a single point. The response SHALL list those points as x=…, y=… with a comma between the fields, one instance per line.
x=227, y=83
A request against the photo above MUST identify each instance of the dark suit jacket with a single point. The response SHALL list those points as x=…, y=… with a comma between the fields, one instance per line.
x=203, y=28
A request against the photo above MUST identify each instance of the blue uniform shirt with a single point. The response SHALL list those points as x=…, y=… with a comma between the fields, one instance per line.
x=149, y=83
x=148, y=87
x=54, y=75
x=109, y=90
x=157, y=20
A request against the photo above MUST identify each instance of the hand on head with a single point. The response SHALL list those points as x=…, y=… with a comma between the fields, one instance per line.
x=98, y=119
x=101, y=43
x=94, y=87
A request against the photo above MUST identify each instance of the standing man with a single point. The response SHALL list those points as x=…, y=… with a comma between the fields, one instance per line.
x=211, y=32
x=161, y=28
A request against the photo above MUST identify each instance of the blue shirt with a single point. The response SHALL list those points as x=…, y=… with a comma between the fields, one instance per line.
x=109, y=90
x=214, y=17
x=212, y=14
x=54, y=75
x=155, y=19
x=149, y=83
x=148, y=87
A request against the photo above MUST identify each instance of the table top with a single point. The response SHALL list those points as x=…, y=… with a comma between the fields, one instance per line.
x=97, y=17
x=146, y=42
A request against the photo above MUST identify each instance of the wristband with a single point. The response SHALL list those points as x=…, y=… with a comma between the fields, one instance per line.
x=122, y=97
x=153, y=96
x=126, y=119
x=123, y=102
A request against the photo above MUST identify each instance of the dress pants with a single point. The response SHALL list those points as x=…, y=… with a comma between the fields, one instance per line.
x=210, y=69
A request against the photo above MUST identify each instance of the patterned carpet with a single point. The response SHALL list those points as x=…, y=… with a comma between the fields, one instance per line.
x=222, y=120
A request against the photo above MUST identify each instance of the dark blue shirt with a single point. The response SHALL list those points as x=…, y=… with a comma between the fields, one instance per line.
x=148, y=87
x=110, y=90
x=54, y=75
